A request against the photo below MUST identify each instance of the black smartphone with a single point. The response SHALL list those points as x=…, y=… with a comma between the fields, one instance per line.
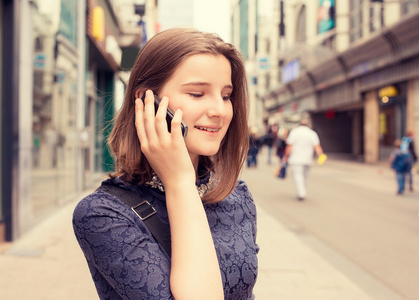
x=169, y=116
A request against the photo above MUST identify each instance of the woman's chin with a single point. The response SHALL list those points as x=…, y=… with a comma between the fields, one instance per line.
x=205, y=152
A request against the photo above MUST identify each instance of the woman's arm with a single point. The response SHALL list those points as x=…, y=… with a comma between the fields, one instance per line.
x=194, y=268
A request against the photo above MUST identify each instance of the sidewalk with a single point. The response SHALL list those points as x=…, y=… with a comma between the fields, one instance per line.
x=289, y=269
x=47, y=263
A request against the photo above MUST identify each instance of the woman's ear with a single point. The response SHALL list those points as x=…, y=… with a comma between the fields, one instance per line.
x=139, y=93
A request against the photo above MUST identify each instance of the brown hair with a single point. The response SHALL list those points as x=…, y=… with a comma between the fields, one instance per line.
x=155, y=64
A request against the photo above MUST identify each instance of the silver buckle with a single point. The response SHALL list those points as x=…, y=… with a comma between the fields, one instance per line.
x=146, y=212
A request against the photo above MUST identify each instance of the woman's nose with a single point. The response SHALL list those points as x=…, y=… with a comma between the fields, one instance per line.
x=217, y=107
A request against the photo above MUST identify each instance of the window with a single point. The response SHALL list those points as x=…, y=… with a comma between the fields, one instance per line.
x=409, y=6
x=244, y=28
x=355, y=20
x=267, y=81
x=301, y=25
x=39, y=44
x=375, y=16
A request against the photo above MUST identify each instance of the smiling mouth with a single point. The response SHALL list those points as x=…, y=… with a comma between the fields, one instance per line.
x=208, y=129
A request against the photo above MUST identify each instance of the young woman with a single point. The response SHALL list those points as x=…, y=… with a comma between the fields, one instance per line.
x=192, y=183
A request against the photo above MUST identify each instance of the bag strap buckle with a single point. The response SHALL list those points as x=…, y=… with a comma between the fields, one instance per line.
x=144, y=210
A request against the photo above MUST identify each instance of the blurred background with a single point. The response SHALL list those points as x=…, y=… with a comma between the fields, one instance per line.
x=350, y=67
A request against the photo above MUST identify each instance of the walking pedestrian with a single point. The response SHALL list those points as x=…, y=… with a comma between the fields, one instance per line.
x=400, y=161
x=302, y=142
x=281, y=143
x=51, y=140
x=408, y=145
x=253, y=150
x=269, y=140
x=192, y=182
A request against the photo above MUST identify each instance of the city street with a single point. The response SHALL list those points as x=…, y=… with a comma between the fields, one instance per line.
x=351, y=239
x=353, y=218
x=349, y=70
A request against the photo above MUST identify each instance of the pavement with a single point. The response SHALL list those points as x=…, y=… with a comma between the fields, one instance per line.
x=47, y=263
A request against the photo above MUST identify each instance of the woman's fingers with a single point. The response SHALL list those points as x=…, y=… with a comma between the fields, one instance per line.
x=139, y=122
x=152, y=129
x=176, y=128
x=161, y=123
x=149, y=118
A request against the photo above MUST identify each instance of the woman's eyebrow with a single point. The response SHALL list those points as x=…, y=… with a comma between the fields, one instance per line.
x=196, y=83
x=199, y=83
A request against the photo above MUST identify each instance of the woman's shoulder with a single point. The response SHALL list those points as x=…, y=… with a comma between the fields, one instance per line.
x=245, y=197
x=99, y=203
x=240, y=199
x=103, y=203
x=242, y=190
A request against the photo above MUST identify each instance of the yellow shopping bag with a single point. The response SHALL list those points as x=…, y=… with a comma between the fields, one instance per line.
x=322, y=159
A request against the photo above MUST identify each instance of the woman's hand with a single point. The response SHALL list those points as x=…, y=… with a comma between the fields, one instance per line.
x=166, y=152
x=192, y=243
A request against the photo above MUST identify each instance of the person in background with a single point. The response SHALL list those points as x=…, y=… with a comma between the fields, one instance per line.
x=253, y=150
x=192, y=182
x=36, y=146
x=408, y=145
x=269, y=140
x=51, y=140
x=400, y=161
x=281, y=143
x=302, y=142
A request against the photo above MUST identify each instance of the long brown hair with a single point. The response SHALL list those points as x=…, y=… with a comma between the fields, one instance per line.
x=155, y=64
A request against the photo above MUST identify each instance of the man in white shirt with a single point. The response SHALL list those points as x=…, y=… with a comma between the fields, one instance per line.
x=301, y=144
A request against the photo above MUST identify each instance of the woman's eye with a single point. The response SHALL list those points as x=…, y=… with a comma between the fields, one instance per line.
x=227, y=98
x=195, y=95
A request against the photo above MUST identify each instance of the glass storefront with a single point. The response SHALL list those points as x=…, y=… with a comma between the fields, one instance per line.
x=1, y=129
x=54, y=104
x=392, y=120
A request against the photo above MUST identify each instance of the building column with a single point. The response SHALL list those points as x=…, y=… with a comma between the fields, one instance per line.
x=412, y=107
x=371, y=127
x=25, y=87
x=81, y=101
x=357, y=134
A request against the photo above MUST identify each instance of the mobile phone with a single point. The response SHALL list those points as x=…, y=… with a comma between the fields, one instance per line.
x=169, y=116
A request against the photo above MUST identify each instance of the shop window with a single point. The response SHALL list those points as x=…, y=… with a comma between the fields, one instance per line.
x=53, y=169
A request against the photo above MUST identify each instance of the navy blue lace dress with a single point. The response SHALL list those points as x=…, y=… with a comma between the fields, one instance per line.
x=126, y=262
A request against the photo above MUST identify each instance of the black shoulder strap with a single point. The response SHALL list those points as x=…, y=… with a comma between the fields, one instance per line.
x=145, y=211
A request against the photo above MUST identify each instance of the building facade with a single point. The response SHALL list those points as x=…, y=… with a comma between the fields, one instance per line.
x=61, y=84
x=245, y=30
x=350, y=66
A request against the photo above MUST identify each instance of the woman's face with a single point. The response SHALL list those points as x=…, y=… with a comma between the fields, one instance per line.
x=201, y=87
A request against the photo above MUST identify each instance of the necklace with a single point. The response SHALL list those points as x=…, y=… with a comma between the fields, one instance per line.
x=202, y=188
